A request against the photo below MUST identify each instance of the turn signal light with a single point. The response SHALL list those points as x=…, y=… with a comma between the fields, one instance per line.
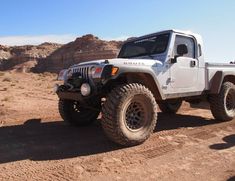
x=114, y=71
x=98, y=70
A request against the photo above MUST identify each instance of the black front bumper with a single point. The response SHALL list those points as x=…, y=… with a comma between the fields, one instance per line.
x=64, y=92
x=76, y=96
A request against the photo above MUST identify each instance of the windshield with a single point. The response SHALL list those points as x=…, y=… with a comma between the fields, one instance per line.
x=145, y=47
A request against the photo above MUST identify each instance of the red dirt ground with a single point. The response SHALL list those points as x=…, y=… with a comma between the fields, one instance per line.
x=36, y=144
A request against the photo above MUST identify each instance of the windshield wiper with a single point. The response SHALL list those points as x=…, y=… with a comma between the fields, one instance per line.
x=144, y=54
x=140, y=55
x=150, y=55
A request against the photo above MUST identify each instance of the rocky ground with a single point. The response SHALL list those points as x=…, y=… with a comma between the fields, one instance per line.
x=35, y=144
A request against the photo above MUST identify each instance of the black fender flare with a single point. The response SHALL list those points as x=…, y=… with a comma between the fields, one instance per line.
x=145, y=70
x=217, y=81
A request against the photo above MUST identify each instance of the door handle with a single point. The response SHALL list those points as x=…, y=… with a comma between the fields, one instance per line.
x=192, y=63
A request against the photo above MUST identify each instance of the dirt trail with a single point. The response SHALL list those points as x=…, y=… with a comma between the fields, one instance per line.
x=35, y=144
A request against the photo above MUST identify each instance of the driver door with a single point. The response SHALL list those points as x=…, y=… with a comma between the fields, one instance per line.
x=184, y=73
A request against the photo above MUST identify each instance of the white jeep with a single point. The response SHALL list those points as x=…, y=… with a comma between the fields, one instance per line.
x=161, y=69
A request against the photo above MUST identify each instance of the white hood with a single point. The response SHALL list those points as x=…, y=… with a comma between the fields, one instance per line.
x=125, y=62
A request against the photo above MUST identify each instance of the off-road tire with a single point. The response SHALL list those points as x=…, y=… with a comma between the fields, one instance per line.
x=223, y=104
x=129, y=114
x=76, y=115
x=170, y=106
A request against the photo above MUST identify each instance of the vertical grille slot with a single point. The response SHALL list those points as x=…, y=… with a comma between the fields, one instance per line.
x=87, y=72
x=84, y=71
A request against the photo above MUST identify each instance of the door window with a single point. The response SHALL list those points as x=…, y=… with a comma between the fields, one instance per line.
x=189, y=42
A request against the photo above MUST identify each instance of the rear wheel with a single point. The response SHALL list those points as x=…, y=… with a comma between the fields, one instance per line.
x=223, y=105
x=129, y=114
x=170, y=106
x=78, y=115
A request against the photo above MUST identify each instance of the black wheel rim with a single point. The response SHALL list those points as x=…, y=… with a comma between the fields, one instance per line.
x=135, y=116
x=76, y=106
x=230, y=101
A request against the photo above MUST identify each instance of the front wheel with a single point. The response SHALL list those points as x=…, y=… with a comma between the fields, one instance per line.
x=129, y=114
x=223, y=104
x=76, y=114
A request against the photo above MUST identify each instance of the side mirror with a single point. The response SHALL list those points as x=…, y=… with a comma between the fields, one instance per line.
x=182, y=49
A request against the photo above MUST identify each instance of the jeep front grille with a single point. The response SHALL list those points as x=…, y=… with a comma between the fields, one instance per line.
x=84, y=71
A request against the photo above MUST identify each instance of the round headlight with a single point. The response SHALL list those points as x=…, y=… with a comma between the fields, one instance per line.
x=62, y=75
x=85, y=89
x=93, y=69
x=69, y=73
x=56, y=88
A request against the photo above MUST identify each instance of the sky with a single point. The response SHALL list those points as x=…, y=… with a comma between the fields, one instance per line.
x=61, y=21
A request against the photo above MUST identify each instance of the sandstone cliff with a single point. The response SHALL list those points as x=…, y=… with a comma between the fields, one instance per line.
x=82, y=49
x=23, y=58
x=54, y=57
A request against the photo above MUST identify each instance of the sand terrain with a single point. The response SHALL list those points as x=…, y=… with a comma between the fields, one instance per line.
x=35, y=144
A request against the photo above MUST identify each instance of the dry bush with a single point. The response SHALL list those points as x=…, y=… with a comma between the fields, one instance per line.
x=7, y=79
x=2, y=113
x=21, y=87
x=7, y=99
x=4, y=89
x=2, y=74
x=47, y=74
x=2, y=110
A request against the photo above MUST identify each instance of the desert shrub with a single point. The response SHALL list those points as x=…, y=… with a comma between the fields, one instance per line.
x=2, y=74
x=7, y=79
x=7, y=99
x=47, y=74
x=2, y=113
x=21, y=87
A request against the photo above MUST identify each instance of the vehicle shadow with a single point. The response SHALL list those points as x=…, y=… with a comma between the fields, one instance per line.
x=229, y=141
x=231, y=178
x=174, y=121
x=37, y=140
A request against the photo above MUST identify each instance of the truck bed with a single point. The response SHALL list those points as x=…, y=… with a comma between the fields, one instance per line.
x=212, y=68
x=211, y=64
